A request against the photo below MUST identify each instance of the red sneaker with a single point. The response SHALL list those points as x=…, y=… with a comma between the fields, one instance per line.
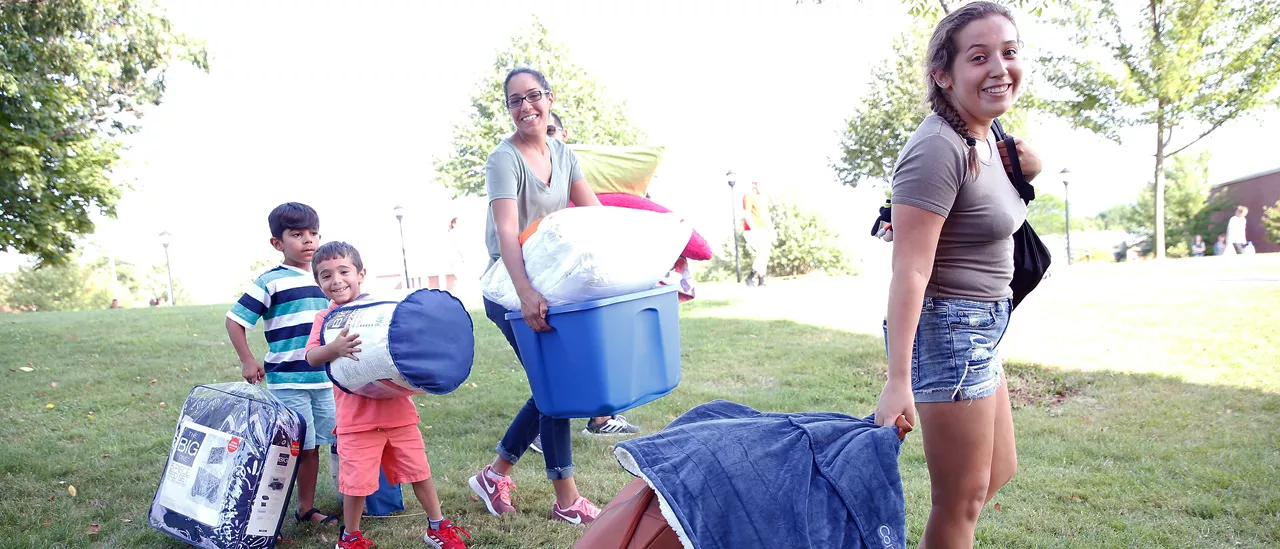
x=496, y=495
x=446, y=537
x=355, y=541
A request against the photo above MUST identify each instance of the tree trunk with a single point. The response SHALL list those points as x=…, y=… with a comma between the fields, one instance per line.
x=1159, y=232
x=1157, y=52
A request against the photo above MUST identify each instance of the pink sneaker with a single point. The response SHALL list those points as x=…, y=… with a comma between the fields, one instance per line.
x=496, y=495
x=581, y=512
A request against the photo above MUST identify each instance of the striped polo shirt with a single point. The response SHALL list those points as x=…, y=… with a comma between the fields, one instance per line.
x=287, y=300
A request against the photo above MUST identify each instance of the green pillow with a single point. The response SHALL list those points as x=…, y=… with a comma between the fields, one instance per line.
x=618, y=168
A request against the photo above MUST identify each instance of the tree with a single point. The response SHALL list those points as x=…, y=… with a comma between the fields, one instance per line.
x=128, y=282
x=1112, y=218
x=936, y=8
x=78, y=285
x=64, y=287
x=156, y=286
x=1173, y=64
x=579, y=100
x=1188, y=209
x=803, y=244
x=1271, y=222
x=1048, y=214
x=891, y=111
x=74, y=77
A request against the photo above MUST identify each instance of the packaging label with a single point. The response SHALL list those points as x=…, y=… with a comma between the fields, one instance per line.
x=273, y=491
x=199, y=471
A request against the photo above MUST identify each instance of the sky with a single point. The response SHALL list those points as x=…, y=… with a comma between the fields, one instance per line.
x=345, y=106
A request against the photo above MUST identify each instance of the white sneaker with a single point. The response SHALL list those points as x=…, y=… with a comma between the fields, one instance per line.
x=616, y=425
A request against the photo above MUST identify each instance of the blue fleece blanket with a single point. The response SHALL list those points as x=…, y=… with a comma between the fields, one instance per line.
x=733, y=477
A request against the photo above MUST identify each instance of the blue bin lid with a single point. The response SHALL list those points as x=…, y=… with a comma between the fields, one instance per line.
x=593, y=304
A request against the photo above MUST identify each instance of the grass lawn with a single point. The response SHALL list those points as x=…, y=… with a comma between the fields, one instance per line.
x=1148, y=414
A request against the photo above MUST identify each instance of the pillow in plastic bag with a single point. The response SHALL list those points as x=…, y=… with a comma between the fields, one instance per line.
x=583, y=254
x=410, y=344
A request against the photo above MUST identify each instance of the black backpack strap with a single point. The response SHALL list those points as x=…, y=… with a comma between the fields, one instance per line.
x=884, y=218
x=1025, y=190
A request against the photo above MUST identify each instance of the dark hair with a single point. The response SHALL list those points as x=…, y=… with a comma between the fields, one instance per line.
x=942, y=54
x=336, y=249
x=556, y=117
x=542, y=80
x=292, y=215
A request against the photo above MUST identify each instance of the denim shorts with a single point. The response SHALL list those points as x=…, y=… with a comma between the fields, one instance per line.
x=954, y=356
x=317, y=407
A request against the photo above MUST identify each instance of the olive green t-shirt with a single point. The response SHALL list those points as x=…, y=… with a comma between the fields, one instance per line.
x=974, y=258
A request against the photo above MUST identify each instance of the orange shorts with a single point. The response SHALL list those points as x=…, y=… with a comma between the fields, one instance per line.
x=399, y=450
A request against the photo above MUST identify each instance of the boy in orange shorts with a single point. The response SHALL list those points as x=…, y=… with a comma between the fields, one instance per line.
x=371, y=432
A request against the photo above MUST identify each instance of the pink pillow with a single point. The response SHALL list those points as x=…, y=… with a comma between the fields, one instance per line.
x=697, y=249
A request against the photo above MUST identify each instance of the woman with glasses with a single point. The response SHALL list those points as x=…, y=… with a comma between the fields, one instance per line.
x=528, y=176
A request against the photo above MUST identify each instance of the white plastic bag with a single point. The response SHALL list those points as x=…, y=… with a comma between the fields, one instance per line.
x=581, y=254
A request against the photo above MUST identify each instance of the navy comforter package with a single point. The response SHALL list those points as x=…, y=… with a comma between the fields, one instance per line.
x=728, y=476
x=230, y=470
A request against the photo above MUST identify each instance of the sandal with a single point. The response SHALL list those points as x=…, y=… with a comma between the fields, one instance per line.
x=306, y=517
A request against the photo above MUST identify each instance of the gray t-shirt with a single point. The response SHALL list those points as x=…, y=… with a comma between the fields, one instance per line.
x=507, y=175
x=974, y=259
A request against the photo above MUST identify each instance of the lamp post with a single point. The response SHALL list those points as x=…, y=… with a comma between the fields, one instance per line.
x=733, y=211
x=165, y=239
x=1066, y=197
x=399, y=210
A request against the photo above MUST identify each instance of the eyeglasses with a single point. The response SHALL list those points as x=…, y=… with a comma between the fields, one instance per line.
x=552, y=130
x=532, y=97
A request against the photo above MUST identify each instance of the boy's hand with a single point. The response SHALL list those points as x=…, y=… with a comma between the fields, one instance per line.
x=252, y=371
x=345, y=345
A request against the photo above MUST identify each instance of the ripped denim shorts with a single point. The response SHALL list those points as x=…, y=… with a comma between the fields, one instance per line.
x=954, y=355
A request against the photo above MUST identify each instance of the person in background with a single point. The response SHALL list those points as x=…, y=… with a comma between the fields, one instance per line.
x=453, y=256
x=757, y=230
x=1236, y=229
x=1220, y=247
x=1197, y=247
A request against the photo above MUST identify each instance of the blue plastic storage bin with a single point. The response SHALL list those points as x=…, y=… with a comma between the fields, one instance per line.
x=604, y=356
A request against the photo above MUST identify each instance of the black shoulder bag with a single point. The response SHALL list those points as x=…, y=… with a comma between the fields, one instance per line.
x=1030, y=256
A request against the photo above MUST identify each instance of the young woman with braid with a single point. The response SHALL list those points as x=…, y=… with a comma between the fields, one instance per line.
x=954, y=212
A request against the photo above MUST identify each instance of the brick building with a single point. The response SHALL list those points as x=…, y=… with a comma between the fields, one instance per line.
x=1256, y=192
